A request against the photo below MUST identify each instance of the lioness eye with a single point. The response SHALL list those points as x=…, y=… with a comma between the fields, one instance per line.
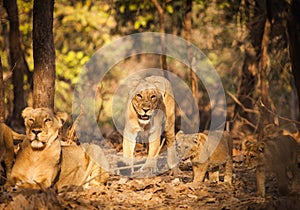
x=30, y=120
x=47, y=120
x=153, y=97
x=139, y=96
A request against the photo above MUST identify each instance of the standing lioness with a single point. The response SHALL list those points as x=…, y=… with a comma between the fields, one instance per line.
x=150, y=111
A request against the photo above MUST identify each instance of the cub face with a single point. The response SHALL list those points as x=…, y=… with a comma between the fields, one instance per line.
x=42, y=126
x=190, y=145
x=253, y=152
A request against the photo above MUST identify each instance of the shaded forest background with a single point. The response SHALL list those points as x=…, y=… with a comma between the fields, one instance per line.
x=253, y=45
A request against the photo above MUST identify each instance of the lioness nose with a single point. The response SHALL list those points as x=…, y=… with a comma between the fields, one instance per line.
x=36, y=131
x=146, y=110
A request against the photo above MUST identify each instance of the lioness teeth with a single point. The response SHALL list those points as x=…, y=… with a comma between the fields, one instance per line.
x=145, y=117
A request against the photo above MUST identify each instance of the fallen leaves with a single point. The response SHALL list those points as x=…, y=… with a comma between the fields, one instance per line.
x=158, y=192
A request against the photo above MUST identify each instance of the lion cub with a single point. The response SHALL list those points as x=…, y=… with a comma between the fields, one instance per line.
x=277, y=155
x=195, y=147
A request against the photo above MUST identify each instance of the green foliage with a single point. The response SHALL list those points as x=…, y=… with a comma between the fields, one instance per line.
x=82, y=27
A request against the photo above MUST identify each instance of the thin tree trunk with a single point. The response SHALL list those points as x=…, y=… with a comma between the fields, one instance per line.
x=243, y=120
x=17, y=62
x=267, y=118
x=43, y=54
x=187, y=35
x=2, y=107
x=293, y=32
x=163, y=57
x=245, y=93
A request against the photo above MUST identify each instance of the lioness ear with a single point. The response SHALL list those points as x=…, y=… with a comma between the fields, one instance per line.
x=133, y=82
x=26, y=112
x=159, y=83
x=62, y=116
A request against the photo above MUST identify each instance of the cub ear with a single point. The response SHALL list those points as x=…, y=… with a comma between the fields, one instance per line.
x=26, y=112
x=159, y=82
x=195, y=140
x=246, y=144
x=62, y=116
x=178, y=134
x=261, y=147
x=201, y=137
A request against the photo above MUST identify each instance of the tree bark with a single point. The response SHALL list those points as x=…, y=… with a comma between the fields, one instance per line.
x=163, y=57
x=17, y=62
x=187, y=34
x=2, y=107
x=43, y=54
x=293, y=31
x=266, y=117
x=245, y=92
x=243, y=120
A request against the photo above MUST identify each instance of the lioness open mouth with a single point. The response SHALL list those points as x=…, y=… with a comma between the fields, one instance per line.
x=144, y=117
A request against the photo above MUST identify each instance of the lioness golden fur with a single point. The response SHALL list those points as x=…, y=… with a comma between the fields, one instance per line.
x=6, y=150
x=38, y=160
x=275, y=154
x=192, y=146
x=150, y=111
x=42, y=161
x=82, y=165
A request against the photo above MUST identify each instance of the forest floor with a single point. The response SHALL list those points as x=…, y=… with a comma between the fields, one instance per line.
x=159, y=192
x=163, y=191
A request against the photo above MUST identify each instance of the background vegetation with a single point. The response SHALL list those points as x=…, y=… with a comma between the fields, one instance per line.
x=249, y=42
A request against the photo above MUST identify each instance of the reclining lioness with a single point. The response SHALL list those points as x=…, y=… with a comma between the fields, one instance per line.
x=6, y=151
x=42, y=161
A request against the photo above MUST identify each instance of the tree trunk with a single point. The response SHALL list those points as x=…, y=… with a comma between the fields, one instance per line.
x=163, y=57
x=2, y=107
x=245, y=119
x=266, y=116
x=293, y=31
x=17, y=62
x=43, y=54
x=187, y=35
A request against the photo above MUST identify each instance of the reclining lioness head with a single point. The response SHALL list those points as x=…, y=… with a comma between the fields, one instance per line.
x=42, y=126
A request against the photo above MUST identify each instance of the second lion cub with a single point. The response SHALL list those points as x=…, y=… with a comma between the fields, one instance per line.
x=277, y=155
x=195, y=145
